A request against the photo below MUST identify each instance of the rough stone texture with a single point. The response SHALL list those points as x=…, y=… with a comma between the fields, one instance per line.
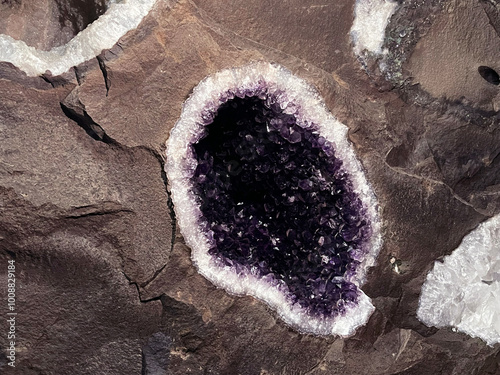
x=460, y=40
x=48, y=23
x=103, y=288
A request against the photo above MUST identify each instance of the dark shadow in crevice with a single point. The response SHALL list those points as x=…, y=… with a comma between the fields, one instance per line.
x=170, y=203
x=489, y=75
x=104, y=71
x=94, y=130
x=78, y=14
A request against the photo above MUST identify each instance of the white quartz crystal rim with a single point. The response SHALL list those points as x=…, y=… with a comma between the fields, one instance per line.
x=463, y=291
x=298, y=97
x=371, y=18
x=102, y=34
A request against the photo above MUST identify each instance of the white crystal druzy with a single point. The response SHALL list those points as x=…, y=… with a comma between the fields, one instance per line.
x=370, y=21
x=464, y=291
x=102, y=34
x=298, y=98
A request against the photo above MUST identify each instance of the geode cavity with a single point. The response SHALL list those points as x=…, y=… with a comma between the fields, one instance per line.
x=271, y=199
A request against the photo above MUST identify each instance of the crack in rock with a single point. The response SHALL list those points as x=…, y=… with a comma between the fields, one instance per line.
x=104, y=70
x=437, y=182
x=74, y=109
x=107, y=208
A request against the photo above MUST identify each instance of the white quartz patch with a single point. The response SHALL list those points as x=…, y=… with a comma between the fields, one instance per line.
x=296, y=97
x=371, y=18
x=464, y=291
x=103, y=33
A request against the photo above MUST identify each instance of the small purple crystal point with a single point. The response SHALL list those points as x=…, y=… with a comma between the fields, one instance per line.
x=273, y=202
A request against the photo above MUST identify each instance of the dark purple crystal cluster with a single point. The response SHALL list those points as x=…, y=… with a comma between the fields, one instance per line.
x=279, y=203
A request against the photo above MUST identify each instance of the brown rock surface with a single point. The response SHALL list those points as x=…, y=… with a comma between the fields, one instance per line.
x=445, y=62
x=44, y=24
x=102, y=285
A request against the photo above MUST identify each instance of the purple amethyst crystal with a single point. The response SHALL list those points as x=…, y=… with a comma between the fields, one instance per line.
x=277, y=203
x=272, y=200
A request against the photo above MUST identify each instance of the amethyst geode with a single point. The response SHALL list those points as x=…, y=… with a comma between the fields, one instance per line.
x=271, y=198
